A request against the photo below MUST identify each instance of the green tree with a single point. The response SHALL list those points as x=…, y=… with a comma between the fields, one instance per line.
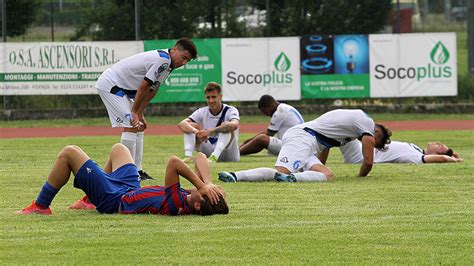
x=302, y=17
x=19, y=15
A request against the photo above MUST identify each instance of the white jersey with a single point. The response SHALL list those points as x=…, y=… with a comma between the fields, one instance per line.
x=395, y=152
x=341, y=126
x=399, y=152
x=206, y=119
x=153, y=66
x=283, y=118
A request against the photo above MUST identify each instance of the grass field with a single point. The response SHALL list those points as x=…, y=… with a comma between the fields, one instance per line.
x=399, y=214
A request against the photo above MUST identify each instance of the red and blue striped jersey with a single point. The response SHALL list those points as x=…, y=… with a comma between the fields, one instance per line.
x=156, y=200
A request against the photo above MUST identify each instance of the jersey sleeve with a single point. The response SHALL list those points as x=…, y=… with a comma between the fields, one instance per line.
x=198, y=116
x=175, y=201
x=365, y=125
x=156, y=71
x=277, y=119
x=232, y=113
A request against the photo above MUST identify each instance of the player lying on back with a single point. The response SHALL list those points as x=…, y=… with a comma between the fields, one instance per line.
x=116, y=188
x=402, y=152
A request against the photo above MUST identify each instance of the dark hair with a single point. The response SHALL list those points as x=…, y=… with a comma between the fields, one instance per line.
x=188, y=45
x=449, y=152
x=213, y=86
x=386, y=134
x=207, y=208
x=265, y=101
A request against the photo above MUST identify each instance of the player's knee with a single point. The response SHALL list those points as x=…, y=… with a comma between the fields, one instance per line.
x=69, y=151
x=263, y=140
x=173, y=160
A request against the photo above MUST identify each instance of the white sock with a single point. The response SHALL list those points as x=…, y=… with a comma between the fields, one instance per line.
x=129, y=139
x=189, y=144
x=223, y=140
x=257, y=174
x=139, y=149
x=310, y=176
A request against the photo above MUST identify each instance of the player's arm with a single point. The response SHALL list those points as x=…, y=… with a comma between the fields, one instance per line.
x=226, y=127
x=323, y=156
x=143, y=93
x=176, y=167
x=186, y=127
x=432, y=158
x=368, y=143
x=248, y=140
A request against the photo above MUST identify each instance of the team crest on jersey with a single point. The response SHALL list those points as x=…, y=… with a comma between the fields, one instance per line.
x=297, y=165
x=162, y=68
x=284, y=160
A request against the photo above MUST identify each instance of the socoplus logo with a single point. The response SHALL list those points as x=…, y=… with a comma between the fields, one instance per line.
x=439, y=56
x=279, y=76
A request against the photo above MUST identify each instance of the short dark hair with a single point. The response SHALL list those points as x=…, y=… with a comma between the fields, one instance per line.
x=207, y=208
x=387, y=133
x=265, y=101
x=213, y=86
x=188, y=45
x=449, y=152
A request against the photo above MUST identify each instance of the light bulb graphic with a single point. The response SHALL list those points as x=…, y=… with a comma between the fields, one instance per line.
x=350, y=47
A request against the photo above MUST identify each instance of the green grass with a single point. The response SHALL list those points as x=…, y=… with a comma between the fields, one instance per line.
x=400, y=214
x=174, y=120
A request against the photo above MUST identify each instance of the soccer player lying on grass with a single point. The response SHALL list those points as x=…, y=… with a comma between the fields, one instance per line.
x=402, y=152
x=116, y=189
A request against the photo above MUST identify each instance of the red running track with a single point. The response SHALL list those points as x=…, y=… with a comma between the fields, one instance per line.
x=244, y=128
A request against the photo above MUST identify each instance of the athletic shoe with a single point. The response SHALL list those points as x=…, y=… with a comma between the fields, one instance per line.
x=82, y=204
x=144, y=175
x=34, y=208
x=281, y=177
x=227, y=177
x=187, y=159
x=212, y=159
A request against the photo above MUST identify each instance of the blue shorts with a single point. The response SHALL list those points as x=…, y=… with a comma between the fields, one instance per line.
x=105, y=190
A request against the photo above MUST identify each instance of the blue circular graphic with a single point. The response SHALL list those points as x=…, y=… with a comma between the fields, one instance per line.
x=316, y=48
x=317, y=65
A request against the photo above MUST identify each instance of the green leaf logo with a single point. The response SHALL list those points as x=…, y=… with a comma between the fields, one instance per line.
x=282, y=62
x=439, y=55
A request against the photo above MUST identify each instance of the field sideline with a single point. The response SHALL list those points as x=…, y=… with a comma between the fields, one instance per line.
x=399, y=214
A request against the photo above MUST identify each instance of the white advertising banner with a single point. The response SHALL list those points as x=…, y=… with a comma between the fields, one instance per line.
x=410, y=65
x=252, y=67
x=59, y=67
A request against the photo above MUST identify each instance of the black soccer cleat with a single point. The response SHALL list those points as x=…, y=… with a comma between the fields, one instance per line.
x=144, y=175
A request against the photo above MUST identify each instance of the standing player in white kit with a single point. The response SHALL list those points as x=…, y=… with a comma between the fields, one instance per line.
x=127, y=87
x=305, y=148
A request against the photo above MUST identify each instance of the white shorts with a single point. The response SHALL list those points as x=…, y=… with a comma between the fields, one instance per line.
x=231, y=154
x=352, y=152
x=298, y=151
x=274, y=146
x=118, y=107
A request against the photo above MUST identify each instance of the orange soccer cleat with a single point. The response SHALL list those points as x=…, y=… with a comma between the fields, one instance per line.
x=34, y=208
x=82, y=204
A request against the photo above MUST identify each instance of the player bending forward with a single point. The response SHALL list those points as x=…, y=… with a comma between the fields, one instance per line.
x=116, y=188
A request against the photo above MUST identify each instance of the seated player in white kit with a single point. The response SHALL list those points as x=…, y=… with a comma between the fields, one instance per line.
x=283, y=117
x=127, y=87
x=212, y=130
x=302, y=144
x=402, y=152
